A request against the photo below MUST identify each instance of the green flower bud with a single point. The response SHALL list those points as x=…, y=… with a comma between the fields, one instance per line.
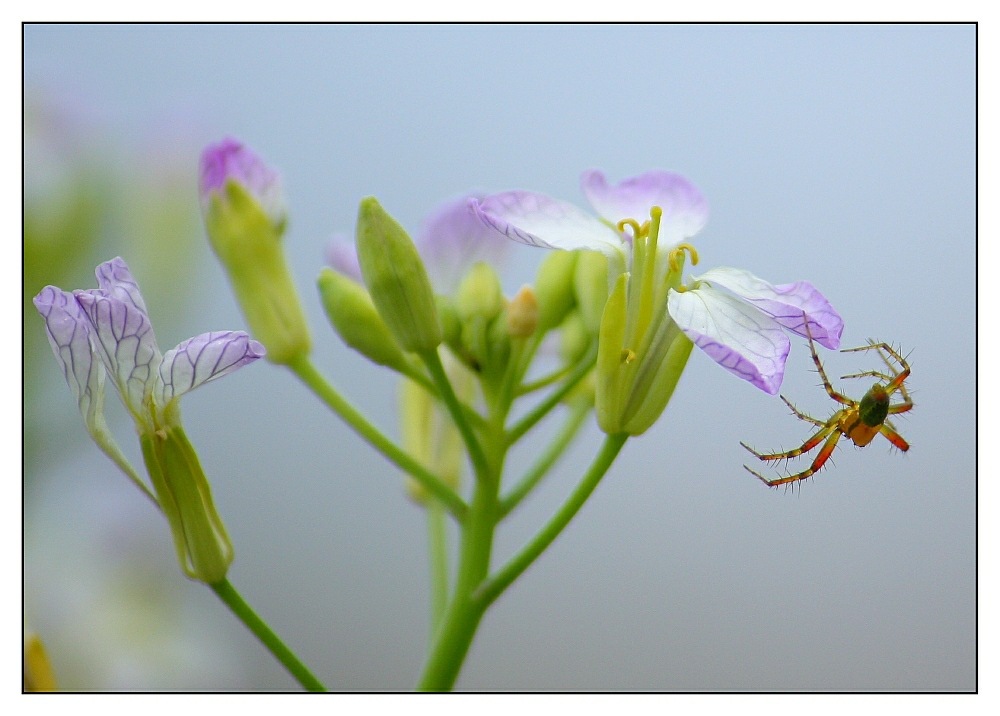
x=396, y=279
x=248, y=243
x=574, y=339
x=353, y=316
x=451, y=327
x=479, y=294
x=203, y=547
x=554, y=288
x=591, y=284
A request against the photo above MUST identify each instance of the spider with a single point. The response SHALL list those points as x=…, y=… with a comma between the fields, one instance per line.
x=859, y=421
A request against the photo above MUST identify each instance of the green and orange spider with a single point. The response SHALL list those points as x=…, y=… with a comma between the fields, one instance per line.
x=860, y=421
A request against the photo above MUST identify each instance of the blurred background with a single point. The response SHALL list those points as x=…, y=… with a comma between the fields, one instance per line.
x=844, y=155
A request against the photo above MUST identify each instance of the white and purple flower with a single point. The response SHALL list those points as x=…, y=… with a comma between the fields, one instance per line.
x=108, y=329
x=741, y=331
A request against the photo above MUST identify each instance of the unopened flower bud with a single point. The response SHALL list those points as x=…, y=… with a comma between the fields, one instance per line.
x=591, y=285
x=554, y=287
x=574, y=339
x=245, y=217
x=396, y=279
x=451, y=327
x=523, y=313
x=353, y=316
x=479, y=294
x=203, y=547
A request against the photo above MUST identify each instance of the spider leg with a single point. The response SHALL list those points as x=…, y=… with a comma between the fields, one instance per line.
x=899, y=375
x=869, y=373
x=821, y=458
x=817, y=437
x=822, y=373
x=894, y=437
x=800, y=415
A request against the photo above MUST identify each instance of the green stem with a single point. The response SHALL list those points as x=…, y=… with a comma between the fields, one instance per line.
x=421, y=379
x=545, y=462
x=494, y=587
x=542, y=409
x=544, y=381
x=433, y=362
x=308, y=374
x=267, y=637
x=437, y=538
x=464, y=613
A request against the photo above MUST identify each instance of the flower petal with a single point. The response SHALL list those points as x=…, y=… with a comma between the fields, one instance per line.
x=539, y=220
x=342, y=257
x=69, y=335
x=203, y=358
x=116, y=281
x=735, y=335
x=685, y=209
x=124, y=339
x=452, y=238
x=785, y=303
x=231, y=159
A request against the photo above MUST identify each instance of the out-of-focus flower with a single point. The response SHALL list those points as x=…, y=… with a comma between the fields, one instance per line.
x=108, y=329
x=245, y=218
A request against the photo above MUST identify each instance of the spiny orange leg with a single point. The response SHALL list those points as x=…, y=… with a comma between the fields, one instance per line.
x=808, y=445
x=894, y=437
x=900, y=375
x=843, y=399
x=817, y=465
x=800, y=415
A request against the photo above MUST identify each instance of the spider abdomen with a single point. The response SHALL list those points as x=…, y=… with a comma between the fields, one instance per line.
x=855, y=428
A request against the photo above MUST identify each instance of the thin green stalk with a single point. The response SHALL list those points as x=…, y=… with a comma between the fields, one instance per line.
x=421, y=379
x=494, y=586
x=267, y=637
x=433, y=362
x=545, y=462
x=544, y=381
x=542, y=409
x=307, y=373
x=437, y=538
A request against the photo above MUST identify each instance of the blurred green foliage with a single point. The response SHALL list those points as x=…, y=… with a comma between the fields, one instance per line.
x=90, y=196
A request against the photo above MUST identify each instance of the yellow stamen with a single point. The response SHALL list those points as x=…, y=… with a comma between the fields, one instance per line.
x=678, y=251
x=636, y=229
x=628, y=355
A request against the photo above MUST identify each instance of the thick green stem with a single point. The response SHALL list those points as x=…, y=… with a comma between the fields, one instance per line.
x=542, y=409
x=267, y=637
x=433, y=362
x=545, y=462
x=495, y=586
x=437, y=538
x=464, y=613
x=306, y=372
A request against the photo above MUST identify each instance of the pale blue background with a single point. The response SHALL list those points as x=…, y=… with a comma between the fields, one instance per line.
x=844, y=155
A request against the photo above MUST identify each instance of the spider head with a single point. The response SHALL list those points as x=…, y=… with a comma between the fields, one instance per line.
x=874, y=407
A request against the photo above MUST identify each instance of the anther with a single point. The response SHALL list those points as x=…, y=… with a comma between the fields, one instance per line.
x=678, y=251
x=636, y=229
x=628, y=355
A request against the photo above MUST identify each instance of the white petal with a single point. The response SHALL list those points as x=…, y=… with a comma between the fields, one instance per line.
x=539, y=220
x=124, y=339
x=203, y=358
x=785, y=303
x=734, y=334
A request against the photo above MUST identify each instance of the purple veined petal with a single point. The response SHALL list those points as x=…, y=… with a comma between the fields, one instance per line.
x=115, y=279
x=203, y=358
x=452, y=238
x=231, y=159
x=123, y=337
x=342, y=257
x=68, y=329
x=539, y=220
x=685, y=209
x=785, y=303
x=737, y=336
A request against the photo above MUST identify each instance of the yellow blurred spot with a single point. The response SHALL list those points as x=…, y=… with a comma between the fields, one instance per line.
x=38, y=675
